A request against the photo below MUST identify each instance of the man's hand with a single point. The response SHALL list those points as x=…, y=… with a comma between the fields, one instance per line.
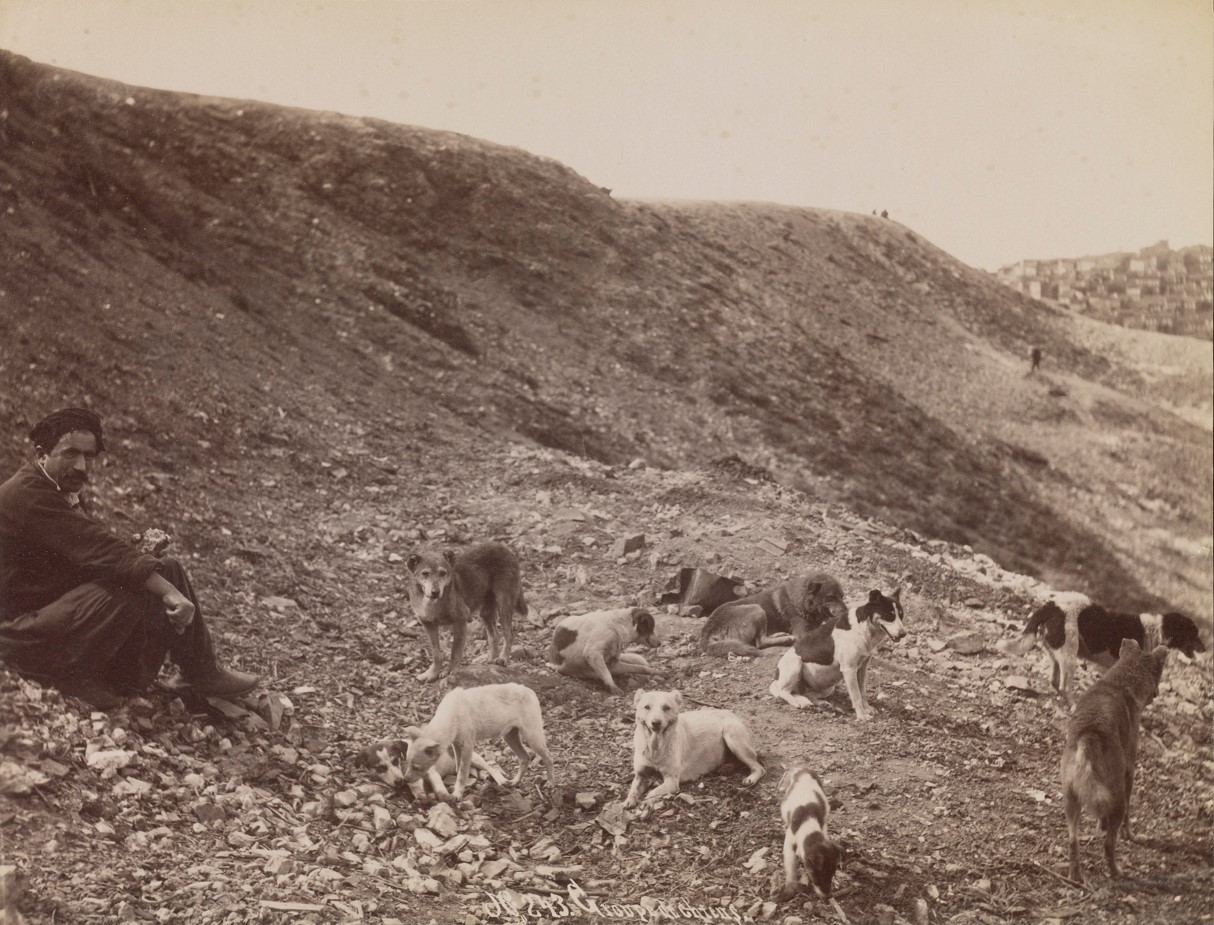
x=179, y=610
x=152, y=541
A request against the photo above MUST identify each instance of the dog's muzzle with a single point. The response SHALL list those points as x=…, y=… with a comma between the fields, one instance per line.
x=892, y=637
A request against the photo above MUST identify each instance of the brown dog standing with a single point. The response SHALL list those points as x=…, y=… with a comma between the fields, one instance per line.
x=1102, y=746
x=444, y=590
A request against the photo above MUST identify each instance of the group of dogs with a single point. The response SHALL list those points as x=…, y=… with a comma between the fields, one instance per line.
x=828, y=643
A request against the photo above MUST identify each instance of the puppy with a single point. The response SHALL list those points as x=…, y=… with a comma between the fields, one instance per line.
x=591, y=645
x=1102, y=746
x=445, y=588
x=773, y=617
x=684, y=746
x=389, y=761
x=1072, y=628
x=840, y=650
x=466, y=716
x=804, y=809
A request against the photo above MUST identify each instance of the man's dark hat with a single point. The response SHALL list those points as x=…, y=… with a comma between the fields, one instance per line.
x=47, y=432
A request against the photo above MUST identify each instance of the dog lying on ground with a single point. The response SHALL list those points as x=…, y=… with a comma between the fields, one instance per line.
x=804, y=809
x=444, y=590
x=773, y=617
x=389, y=761
x=840, y=650
x=1073, y=627
x=682, y=747
x=1102, y=747
x=466, y=716
x=591, y=645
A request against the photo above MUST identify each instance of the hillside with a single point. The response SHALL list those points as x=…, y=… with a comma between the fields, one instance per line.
x=348, y=271
x=319, y=340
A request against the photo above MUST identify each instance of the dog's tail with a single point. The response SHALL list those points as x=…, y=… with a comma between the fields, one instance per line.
x=1080, y=773
x=520, y=604
x=1024, y=644
x=1021, y=645
x=729, y=647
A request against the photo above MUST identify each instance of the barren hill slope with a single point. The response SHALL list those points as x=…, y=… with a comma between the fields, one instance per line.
x=218, y=271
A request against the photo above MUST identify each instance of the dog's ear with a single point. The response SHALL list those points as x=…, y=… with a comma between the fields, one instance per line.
x=411, y=562
x=410, y=733
x=1158, y=658
x=450, y=557
x=642, y=621
x=814, y=588
x=678, y=699
x=636, y=698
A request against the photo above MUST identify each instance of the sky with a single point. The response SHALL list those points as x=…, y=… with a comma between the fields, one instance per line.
x=999, y=130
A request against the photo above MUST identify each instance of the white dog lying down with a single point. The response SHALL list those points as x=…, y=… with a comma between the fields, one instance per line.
x=591, y=645
x=389, y=761
x=479, y=714
x=684, y=746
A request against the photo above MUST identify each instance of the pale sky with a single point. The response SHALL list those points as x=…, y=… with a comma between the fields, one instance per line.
x=999, y=130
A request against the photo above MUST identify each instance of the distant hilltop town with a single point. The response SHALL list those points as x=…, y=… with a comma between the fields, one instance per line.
x=1157, y=289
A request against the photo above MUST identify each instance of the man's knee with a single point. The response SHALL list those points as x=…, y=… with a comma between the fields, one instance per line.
x=173, y=572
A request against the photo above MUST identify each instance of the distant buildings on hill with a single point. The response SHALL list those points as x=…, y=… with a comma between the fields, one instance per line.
x=1157, y=289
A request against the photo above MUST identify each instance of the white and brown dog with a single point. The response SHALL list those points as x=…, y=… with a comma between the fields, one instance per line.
x=389, y=760
x=444, y=590
x=805, y=809
x=1071, y=628
x=681, y=746
x=466, y=716
x=591, y=645
x=840, y=650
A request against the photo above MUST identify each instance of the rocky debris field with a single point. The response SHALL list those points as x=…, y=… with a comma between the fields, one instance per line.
x=947, y=804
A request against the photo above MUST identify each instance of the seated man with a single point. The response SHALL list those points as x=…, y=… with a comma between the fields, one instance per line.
x=81, y=608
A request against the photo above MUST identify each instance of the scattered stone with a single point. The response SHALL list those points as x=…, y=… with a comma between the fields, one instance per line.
x=627, y=544
x=773, y=545
x=442, y=820
x=1019, y=682
x=427, y=839
x=210, y=813
x=968, y=643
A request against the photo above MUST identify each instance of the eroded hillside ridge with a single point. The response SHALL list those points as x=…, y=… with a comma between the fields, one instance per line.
x=218, y=275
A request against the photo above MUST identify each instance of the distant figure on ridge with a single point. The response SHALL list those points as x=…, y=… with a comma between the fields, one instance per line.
x=884, y=213
x=1035, y=360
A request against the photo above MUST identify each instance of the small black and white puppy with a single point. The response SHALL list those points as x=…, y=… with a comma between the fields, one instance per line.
x=805, y=809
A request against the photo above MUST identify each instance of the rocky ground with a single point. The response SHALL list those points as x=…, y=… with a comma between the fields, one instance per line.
x=947, y=805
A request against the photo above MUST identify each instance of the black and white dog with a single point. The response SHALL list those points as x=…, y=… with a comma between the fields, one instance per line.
x=840, y=650
x=805, y=809
x=1072, y=627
